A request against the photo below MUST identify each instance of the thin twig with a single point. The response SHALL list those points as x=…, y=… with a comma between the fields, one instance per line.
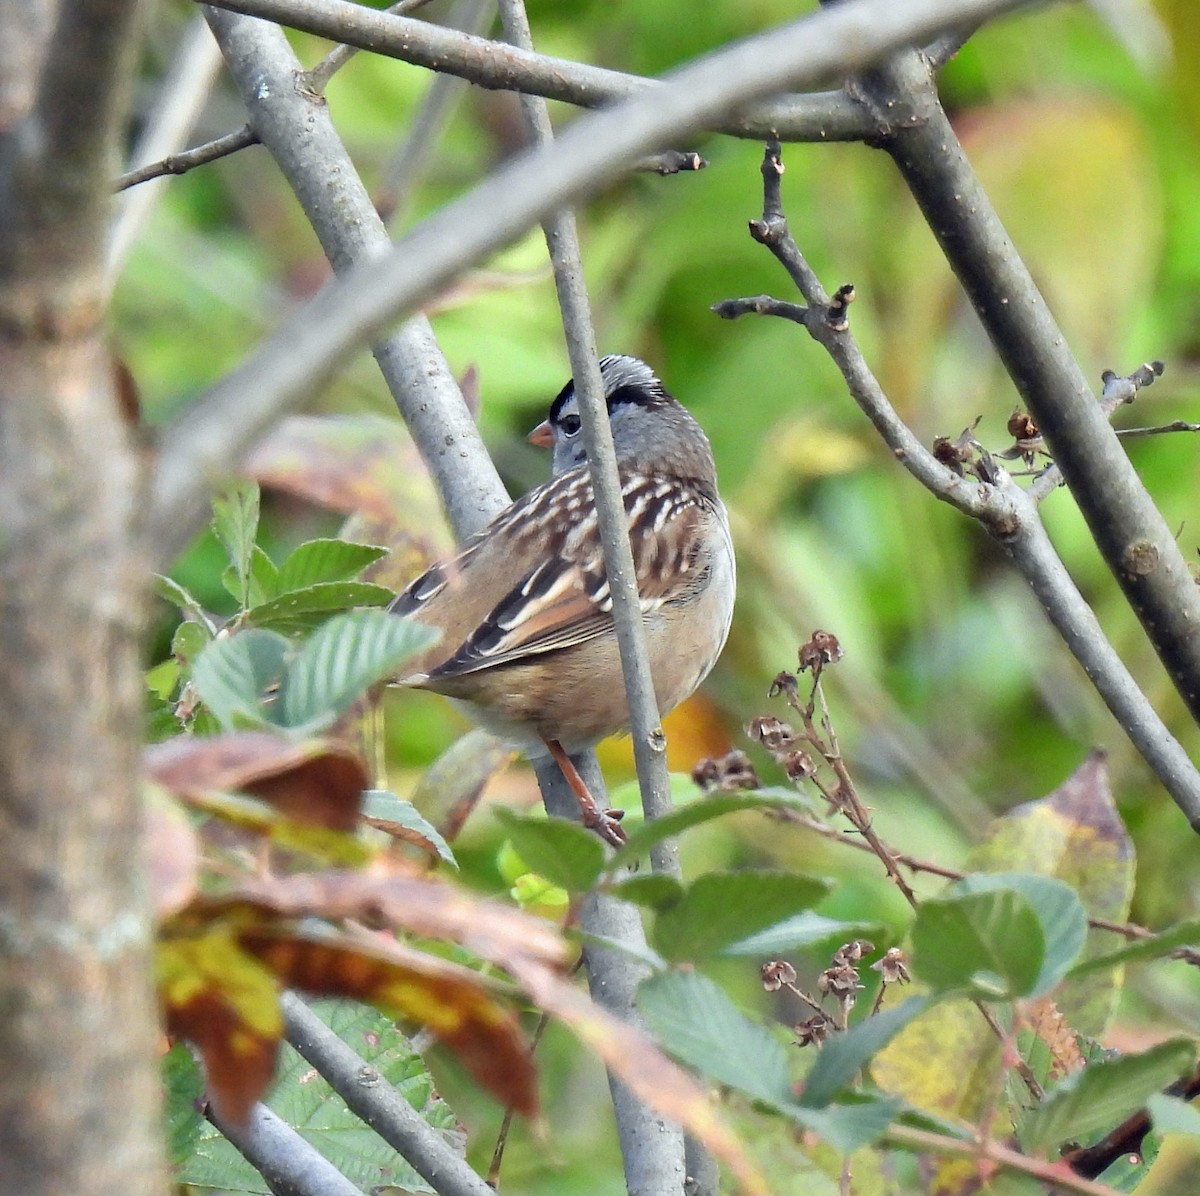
x=186, y=160
x=1006, y=511
x=1057, y=1175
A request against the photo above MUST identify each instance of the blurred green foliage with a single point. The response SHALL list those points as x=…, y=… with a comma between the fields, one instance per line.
x=955, y=700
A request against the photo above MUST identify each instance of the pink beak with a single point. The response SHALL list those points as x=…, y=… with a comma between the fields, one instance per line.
x=542, y=435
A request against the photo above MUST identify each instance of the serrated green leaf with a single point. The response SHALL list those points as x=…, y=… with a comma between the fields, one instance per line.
x=654, y=890
x=846, y=1127
x=232, y=674
x=170, y=590
x=235, y=524
x=341, y=659
x=189, y=640
x=1058, y=909
x=703, y=809
x=720, y=908
x=301, y=609
x=696, y=1022
x=801, y=932
x=1104, y=1093
x=307, y=1103
x=991, y=943
x=261, y=584
x=563, y=852
x=388, y=807
x=843, y=1056
x=324, y=561
x=183, y=1084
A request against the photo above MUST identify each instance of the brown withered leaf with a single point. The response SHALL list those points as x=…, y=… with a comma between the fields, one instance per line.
x=420, y=905
x=226, y=1003
x=452, y=1001
x=173, y=853
x=368, y=468
x=1060, y=1053
x=316, y=782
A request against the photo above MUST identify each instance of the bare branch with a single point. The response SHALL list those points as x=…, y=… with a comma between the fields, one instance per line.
x=653, y=1155
x=305, y=353
x=179, y=101
x=380, y=1105
x=830, y=116
x=288, y=1163
x=181, y=163
x=336, y=202
x=1131, y=534
x=998, y=503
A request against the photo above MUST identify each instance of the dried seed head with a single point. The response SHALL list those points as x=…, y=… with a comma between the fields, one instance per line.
x=774, y=734
x=1021, y=425
x=812, y=1031
x=785, y=683
x=822, y=649
x=726, y=774
x=777, y=973
x=799, y=766
x=851, y=953
x=841, y=981
x=893, y=967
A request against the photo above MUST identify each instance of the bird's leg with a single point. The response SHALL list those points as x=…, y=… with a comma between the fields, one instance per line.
x=606, y=823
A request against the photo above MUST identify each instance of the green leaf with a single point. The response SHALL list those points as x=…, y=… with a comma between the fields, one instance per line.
x=232, y=674
x=704, y=809
x=843, y=1056
x=1058, y=909
x=654, y=890
x=305, y=1101
x=1104, y=1093
x=302, y=609
x=184, y=1086
x=1171, y=1115
x=991, y=943
x=696, y=1022
x=189, y=640
x=848, y=1126
x=235, y=524
x=169, y=589
x=162, y=679
x=340, y=660
x=563, y=852
x=802, y=932
x=386, y=806
x=720, y=908
x=263, y=575
x=325, y=560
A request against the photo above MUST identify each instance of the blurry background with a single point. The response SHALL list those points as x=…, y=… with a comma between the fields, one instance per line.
x=955, y=699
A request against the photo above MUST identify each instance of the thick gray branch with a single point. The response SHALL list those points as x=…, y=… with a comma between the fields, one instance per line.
x=378, y=1103
x=295, y=126
x=1131, y=534
x=309, y=349
x=829, y=116
x=289, y=1165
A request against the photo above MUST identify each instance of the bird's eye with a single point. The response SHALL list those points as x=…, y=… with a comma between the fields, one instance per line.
x=570, y=424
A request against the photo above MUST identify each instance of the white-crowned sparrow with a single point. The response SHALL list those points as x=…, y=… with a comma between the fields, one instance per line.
x=528, y=642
